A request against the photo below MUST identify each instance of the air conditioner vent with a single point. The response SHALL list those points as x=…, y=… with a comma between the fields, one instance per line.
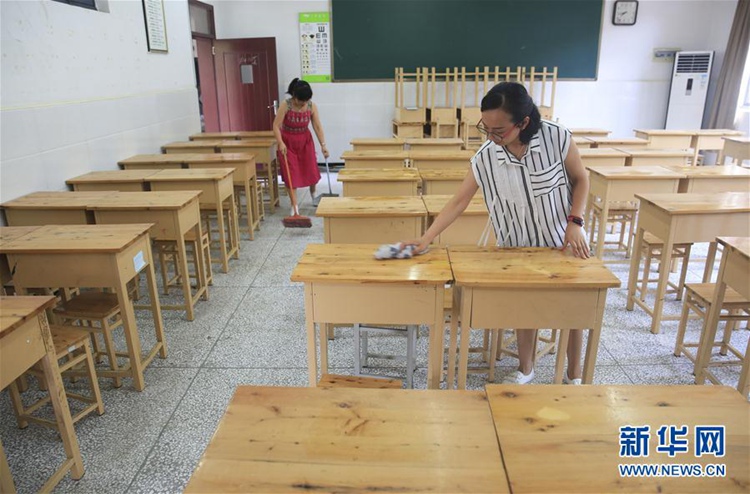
x=698, y=63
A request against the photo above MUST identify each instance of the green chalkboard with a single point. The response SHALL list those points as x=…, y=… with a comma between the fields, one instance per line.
x=373, y=37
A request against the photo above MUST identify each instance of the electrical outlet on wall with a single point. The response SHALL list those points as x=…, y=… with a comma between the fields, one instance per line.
x=665, y=54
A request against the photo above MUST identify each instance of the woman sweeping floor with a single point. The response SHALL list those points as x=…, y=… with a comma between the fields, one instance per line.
x=296, y=149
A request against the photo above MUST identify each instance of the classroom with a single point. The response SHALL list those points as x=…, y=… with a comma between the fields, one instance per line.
x=514, y=257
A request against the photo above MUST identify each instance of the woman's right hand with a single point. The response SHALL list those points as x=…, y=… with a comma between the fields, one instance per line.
x=419, y=245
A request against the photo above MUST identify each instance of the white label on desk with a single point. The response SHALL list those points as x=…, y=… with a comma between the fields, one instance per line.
x=138, y=261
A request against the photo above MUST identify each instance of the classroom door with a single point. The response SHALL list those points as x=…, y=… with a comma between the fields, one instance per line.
x=205, y=73
x=247, y=83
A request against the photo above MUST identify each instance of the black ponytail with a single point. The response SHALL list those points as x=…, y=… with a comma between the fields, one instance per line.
x=300, y=90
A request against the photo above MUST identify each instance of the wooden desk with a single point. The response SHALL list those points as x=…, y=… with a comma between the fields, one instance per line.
x=440, y=160
x=8, y=234
x=352, y=440
x=618, y=143
x=214, y=136
x=264, y=150
x=684, y=218
x=582, y=142
x=119, y=180
x=666, y=139
x=25, y=339
x=602, y=156
x=527, y=288
x=734, y=272
x=737, y=148
x=435, y=144
x=384, y=182
x=467, y=229
x=244, y=177
x=92, y=256
x=218, y=190
x=711, y=140
x=708, y=179
x=584, y=132
x=374, y=159
x=201, y=146
x=244, y=173
x=152, y=161
x=657, y=157
x=174, y=215
x=345, y=284
x=442, y=182
x=387, y=145
x=614, y=184
x=50, y=208
x=255, y=134
x=566, y=439
x=366, y=220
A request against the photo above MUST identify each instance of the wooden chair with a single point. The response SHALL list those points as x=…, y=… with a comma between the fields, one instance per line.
x=622, y=213
x=652, y=246
x=545, y=79
x=72, y=348
x=698, y=299
x=338, y=381
x=167, y=252
x=362, y=353
x=267, y=175
x=96, y=313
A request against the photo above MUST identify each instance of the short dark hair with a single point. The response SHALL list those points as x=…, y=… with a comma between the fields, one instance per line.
x=513, y=99
x=300, y=90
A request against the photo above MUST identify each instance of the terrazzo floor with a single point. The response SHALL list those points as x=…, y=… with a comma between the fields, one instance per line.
x=251, y=331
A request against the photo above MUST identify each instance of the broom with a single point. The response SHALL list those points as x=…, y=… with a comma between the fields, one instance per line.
x=330, y=192
x=297, y=220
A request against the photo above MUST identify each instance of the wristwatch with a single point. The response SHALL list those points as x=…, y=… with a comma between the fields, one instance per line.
x=575, y=219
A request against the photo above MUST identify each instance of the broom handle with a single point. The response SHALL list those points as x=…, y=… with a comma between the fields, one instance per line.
x=292, y=192
x=328, y=175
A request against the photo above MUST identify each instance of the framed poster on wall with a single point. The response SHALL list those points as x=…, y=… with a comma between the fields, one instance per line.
x=315, y=46
x=156, y=25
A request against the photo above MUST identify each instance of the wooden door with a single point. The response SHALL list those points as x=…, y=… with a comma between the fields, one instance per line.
x=247, y=83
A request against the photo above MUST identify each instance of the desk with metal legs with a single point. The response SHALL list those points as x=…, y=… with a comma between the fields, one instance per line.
x=345, y=284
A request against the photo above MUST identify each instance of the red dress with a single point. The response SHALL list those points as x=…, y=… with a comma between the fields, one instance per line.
x=300, y=149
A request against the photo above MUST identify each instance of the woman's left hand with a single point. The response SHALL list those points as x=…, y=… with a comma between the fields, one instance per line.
x=576, y=238
x=325, y=151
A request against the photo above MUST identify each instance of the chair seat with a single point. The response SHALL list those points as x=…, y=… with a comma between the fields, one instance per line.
x=66, y=338
x=705, y=292
x=335, y=381
x=89, y=305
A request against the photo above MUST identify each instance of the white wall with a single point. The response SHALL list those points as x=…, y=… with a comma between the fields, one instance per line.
x=80, y=90
x=631, y=90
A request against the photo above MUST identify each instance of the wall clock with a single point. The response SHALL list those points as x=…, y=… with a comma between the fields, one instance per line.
x=625, y=12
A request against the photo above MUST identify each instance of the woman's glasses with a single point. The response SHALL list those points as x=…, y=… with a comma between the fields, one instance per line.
x=493, y=133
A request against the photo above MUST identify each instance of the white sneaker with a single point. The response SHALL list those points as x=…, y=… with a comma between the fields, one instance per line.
x=518, y=377
x=575, y=382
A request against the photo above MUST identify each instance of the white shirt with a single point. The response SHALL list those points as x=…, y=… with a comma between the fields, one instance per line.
x=529, y=199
